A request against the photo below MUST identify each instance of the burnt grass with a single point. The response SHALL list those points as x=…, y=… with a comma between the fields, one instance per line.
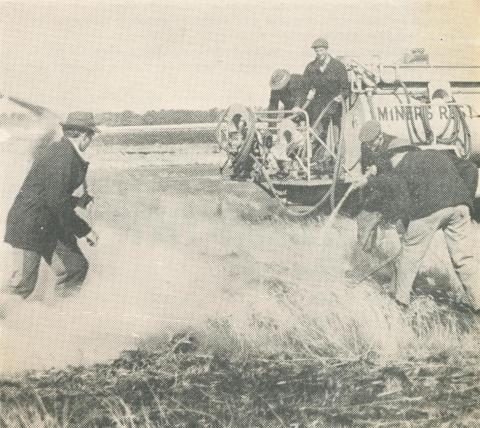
x=182, y=388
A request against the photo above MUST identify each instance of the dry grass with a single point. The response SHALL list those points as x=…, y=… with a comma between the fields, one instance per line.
x=267, y=330
x=188, y=389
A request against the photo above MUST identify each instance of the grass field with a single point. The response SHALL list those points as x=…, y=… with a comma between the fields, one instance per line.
x=190, y=318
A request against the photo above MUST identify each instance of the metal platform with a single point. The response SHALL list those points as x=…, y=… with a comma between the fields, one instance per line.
x=303, y=182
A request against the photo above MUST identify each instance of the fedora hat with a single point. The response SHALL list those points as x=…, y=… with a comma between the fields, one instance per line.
x=83, y=121
x=279, y=79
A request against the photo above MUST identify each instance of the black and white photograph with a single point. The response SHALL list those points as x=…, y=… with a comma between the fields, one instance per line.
x=239, y=213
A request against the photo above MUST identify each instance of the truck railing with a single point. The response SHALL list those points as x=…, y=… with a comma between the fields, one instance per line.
x=278, y=116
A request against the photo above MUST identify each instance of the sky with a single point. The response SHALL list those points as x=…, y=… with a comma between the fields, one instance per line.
x=142, y=55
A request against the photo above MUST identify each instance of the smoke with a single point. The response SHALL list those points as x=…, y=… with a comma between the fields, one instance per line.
x=243, y=281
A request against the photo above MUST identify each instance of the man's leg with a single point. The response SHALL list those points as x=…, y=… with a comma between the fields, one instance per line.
x=70, y=267
x=25, y=273
x=314, y=110
x=460, y=243
x=323, y=127
x=415, y=243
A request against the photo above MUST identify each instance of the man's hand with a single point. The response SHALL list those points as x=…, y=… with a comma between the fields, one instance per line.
x=371, y=170
x=84, y=200
x=363, y=180
x=311, y=94
x=338, y=98
x=92, y=238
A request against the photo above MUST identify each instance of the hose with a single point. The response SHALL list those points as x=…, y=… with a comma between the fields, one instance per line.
x=410, y=121
x=370, y=105
x=455, y=114
x=293, y=214
x=270, y=189
x=339, y=160
x=322, y=113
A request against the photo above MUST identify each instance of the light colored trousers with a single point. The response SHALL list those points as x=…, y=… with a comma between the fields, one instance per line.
x=70, y=267
x=457, y=227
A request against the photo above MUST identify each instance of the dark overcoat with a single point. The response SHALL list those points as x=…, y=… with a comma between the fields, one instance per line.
x=328, y=84
x=43, y=211
x=293, y=95
x=433, y=182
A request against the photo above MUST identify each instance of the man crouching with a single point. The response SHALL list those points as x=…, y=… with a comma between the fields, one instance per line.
x=42, y=222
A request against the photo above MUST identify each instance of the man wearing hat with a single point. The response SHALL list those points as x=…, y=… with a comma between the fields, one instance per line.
x=288, y=89
x=379, y=207
x=374, y=143
x=440, y=200
x=42, y=222
x=327, y=79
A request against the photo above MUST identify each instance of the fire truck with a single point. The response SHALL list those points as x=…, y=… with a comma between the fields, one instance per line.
x=434, y=106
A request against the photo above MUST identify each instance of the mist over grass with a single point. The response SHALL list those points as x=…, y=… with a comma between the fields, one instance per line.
x=167, y=263
x=223, y=308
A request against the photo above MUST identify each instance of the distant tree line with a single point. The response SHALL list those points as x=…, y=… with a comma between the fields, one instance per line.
x=157, y=117
x=128, y=117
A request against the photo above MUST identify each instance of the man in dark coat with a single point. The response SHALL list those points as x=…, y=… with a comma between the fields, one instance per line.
x=42, y=222
x=440, y=200
x=384, y=194
x=326, y=78
x=288, y=89
x=373, y=147
x=384, y=198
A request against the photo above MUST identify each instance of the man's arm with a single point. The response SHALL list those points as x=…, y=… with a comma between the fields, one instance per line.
x=468, y=171
x=308, y=77
x=58, y=198
x=300, y=93
x=273, y=105
x=274, y=100
x=344, y=82
x=388, y=194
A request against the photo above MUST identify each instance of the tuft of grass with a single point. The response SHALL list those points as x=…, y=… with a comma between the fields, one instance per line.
x=185, y=388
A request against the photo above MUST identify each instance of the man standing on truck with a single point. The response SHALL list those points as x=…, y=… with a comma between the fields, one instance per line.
x=327, y=82
x=42, y=222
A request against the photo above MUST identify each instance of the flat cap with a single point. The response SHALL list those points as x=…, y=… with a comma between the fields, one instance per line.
x=369, y=131
x=320, y=43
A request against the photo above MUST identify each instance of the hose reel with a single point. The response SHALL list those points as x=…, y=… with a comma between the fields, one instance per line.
x=459, y=136
x=235, y=134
